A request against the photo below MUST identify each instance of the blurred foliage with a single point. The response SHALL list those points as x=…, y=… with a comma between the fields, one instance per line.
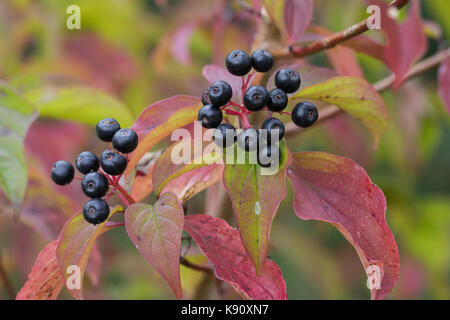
x=123, y=59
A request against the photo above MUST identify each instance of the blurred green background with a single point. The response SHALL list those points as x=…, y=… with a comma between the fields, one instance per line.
x=129, y=54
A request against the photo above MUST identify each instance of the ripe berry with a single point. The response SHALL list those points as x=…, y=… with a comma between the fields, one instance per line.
x=288, y=80
x=62, y=172
x=113, y=163
x=255, y=98
x=210, y=116
x=238, y=63
x=269, y=156
x=304, y=114
x=106, y=129
x=247, y=139
x=273, y=127
x=220, y=93
x=125, y=140
x=95, y=185
x=96, y=211
x=278, y=100
x=205, y=97
x=225, y=135
x=262, y=61
x=87, y=162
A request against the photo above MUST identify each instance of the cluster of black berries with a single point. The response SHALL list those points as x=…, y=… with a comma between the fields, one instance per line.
x=217, y=98
x=112, y=162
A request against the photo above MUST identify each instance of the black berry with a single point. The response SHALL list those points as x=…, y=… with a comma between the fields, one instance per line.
x=269, y=156
x=304, y=114
x=220, y=93
x=95, y=185
x=96, y=211
x=247, y=139
x=262, y=61
x=273, y=127
x=225, y=135
x=106, y=129
x=87, y=162
x=62, y=172
x=255, y=98
x=238, y=63
x=205, y=97
x=288, y=80
x=113, y=163
x=125, y=140
x=210, y=116
x=278, y=100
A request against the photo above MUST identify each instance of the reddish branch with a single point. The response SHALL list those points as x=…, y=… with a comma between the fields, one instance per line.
x=334, y=39
x=426, y=64
x=194, y=266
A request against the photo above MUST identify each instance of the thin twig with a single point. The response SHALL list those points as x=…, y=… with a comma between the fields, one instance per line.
x=334, y=39
x=194, y=266
x=6, y=281
x=382, y=85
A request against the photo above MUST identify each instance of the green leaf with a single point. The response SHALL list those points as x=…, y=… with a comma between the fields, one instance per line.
x=255, y=198
x=156, y=232
x=355, y=96
x=78, y=103
x=16, y=115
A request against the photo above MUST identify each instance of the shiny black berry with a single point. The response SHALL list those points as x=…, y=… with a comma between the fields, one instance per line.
x=113, y=163
x=62, y=172
x=125, y=140
x=269, y=156
x=238, y=63
x=87, y=162
x=288, y=80
x=220, y=93
x=205, y=97
x=106, y=129
x=278, y=100
x=255, y=98
x=95, y=185
x=247, y=139
x=274, y=130
x=96, y=211
x=210, y=116
x=262, y=61
x=304, y=114
x=224, y=135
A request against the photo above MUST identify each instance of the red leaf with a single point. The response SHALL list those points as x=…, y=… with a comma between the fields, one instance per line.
x=223, y=247
x=156, y=233
x=336, y=190
x=158, y=120
x=406, y=42
x=76, y=242
x=297, y=17
x=344, y=61
x=44, y=281
x=444, y=83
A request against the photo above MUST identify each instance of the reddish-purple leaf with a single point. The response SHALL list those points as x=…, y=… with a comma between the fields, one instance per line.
x=156, y=232
x=223, y=247
x=336, y=190
x=444, y=83
x=297, y=17
x=181, y=41
x=344, y=61
x=44, y=281
x=405, y=42
x=75, y=245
